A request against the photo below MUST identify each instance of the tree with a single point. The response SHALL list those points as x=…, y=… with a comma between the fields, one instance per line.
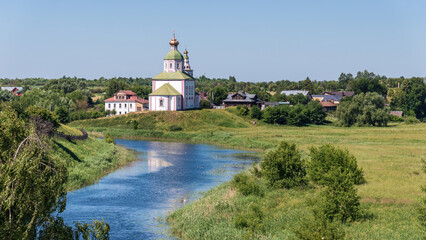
x=368, y=82
x=315, y=112
x=5, y=96
x=114, y=86
x=345, y=80
x=219, y=94
x=204, y=104
x=142, y=91
x=307, y=85
x=255, y=112
x=283, y=167
x=326, y=159
x=363, y=109
x=414, y=97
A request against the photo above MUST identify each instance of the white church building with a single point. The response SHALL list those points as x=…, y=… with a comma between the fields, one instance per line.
x=174, y=88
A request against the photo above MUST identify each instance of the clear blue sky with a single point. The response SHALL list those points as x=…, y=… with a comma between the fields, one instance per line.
x=252, y=40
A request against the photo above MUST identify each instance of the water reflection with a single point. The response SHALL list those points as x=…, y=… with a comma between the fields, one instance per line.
x=168, y=176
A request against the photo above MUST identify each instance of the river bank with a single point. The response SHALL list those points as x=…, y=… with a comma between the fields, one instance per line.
x=390, y=157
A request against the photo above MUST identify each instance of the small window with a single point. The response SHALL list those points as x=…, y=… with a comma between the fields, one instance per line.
x=119, y=105
x=125, y=105
x=161, y=102
x=130, y=105
x=109, y=105
x=170, y=65
x=139, y=109
x=177, y=65
x=119, y=113
x=114, y=105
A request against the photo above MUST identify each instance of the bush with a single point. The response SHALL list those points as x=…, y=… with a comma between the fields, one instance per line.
x=394, y=118
x=204, y=104
x=175, y=128
x=411, y=120
x=326, y=160
x=255, y=112
x=276, y=115
x=318, y=227
x=283, y=167
x=109, y=139
x=242, y=110
x=247, y=186
x=135, y=124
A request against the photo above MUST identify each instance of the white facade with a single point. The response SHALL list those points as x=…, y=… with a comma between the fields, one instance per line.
x=121, y=107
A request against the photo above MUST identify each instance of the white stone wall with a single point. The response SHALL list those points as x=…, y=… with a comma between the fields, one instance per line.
x=173, y=65
x=176, y=84
x=170, y=103
x=121, y=107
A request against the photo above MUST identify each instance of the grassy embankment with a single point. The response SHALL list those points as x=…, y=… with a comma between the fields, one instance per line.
x=390, y=157
x=89, y=160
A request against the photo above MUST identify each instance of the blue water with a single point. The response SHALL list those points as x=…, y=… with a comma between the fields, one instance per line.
x=135, y=199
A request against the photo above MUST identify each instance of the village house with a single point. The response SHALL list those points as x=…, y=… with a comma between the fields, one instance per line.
x=17, y=91
x=242, y=99
x=125, y=101
x=174, y=88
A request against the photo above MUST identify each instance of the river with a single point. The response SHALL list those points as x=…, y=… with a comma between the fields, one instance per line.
x=134, y=200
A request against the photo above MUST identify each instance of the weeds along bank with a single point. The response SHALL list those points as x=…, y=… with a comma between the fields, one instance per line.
x=391, y=159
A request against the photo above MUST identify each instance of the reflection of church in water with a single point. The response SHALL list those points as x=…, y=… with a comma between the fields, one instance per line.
x=174, y=88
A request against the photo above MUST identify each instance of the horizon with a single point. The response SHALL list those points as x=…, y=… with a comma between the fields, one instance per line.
x=254, y=42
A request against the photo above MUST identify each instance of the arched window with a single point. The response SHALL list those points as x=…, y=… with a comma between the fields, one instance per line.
x=177, y=65
x=171, y=65
x=161, y=102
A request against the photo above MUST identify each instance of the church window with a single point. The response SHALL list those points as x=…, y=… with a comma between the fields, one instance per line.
x=170, y=65
x=109, y=105
x=119, y=105
x=125, y=105
x=130, y=105
x=114, y=105
x=161, y=102
x=177, y=65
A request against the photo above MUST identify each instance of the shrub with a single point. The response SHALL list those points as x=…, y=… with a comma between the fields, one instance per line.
x=394, y=118
x=255, y=112
x=247, y=186
x=411, y=120
x=109, y=139
x=175, y=128
x=283, y=167
x=276, y=115
x=317, y=227
x=135, y=124
x=340, y=199
x=242, y=110
x=326, y=160
x=204, y=104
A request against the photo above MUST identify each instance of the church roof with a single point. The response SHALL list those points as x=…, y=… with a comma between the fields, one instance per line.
x=165, y=90
x=178, y=75
x=173, y=55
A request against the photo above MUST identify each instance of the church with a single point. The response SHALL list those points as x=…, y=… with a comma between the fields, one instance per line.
x=174, y=88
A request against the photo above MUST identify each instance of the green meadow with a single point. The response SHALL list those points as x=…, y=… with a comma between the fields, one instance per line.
x=391, y=158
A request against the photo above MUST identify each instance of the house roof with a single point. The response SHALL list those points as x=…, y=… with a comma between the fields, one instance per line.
x=396, y=113
x=295, y=92
x=178, y=75
x=166, y=90
x=341, y=93
x=173, y=55
x=247, y=97
x=328, y=98
x=10, y=89
x=127, y=92
x=131, y=99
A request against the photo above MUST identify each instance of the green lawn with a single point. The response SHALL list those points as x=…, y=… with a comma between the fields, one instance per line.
x=391, y=158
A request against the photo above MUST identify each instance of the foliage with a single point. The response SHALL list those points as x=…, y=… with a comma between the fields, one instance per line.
x=5, y=95
x=57, y=229
x=246, y=186
x=109, y=139
x=219, y=94
x=363, y=109
x=33, y=182
x=114, y=86
x=204, y=104
x=242, y=110
x=365, y=82
x=142, y=91
x=63, y=114
x=327, y=159
x=255, y=112
x=411, y=97
x=411, y=120
x=297, y=115
x=250, y=219
x=283, y=167
x=318, y=227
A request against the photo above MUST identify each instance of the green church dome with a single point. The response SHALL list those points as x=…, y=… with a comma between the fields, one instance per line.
x=173, y=55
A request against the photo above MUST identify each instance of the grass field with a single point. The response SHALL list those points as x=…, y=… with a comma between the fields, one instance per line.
x=89, y=160
x=391, y=158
